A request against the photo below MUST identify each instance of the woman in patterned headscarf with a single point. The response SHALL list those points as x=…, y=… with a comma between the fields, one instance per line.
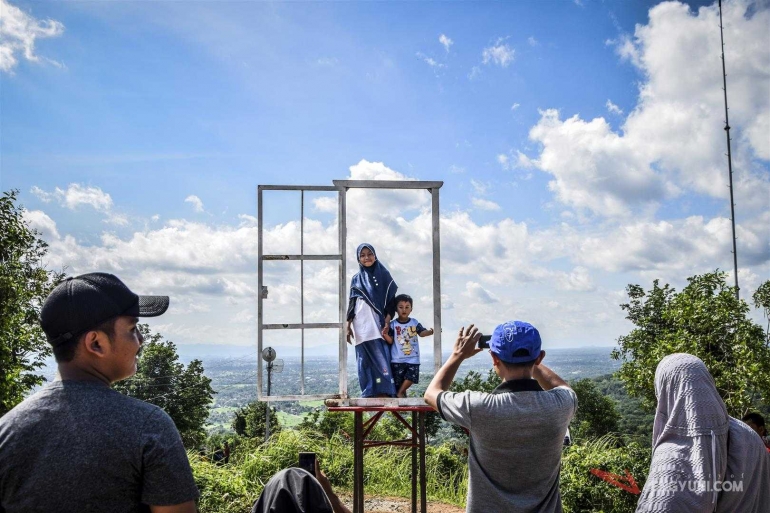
x=703, y=460
x=370, y=309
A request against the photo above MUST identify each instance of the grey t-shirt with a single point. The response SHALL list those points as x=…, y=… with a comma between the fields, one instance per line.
x=516, y=439
x=78, y=446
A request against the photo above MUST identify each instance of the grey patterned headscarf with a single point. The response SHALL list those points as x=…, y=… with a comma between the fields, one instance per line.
x=699, y=450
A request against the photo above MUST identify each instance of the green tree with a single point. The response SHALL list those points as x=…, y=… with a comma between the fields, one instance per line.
x=706, y=320
x=249, y=421
x=762, y=300
x=183, y=392
x=24, y=285
x=596, y=415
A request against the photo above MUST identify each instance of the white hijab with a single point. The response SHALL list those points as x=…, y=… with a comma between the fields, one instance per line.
x=699, y=450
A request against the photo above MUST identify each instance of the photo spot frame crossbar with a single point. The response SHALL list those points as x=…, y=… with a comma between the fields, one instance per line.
x=341, y=187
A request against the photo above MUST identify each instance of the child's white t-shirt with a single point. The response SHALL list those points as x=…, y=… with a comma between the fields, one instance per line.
x=365, y=324
x=406, y=346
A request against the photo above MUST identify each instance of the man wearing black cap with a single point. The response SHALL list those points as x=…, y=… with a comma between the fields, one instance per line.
x=517, y=431
x=77, y=445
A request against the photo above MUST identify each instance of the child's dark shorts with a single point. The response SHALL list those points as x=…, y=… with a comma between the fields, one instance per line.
x=404, y=371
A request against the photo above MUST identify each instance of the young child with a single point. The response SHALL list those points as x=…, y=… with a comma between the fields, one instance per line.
x=404, y=347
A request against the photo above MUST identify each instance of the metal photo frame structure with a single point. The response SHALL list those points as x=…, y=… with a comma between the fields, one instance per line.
x=341, y=187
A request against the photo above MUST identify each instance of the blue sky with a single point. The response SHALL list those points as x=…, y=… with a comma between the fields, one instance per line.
x=580, y=145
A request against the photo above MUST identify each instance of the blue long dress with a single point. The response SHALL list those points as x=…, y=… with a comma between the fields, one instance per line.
x=375, y=286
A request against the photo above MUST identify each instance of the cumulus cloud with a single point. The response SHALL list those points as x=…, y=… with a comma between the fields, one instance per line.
x=76, y=195
x=18, y=32
x=673, y=141
x=532, y=41
x=325, y=204
x=595, y=168
x=445, y=42
x=674, y=246
x=42, y=223
x=195, y=201
x=499, y=53
x=502, y=268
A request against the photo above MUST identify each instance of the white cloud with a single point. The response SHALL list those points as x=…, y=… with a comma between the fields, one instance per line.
x=612, y=108
x=456, y=169
x=327, y=61
x=445, y=42
x=18, y=32
x=195, y=201
x=479, y=187
x=155, y=218
x=594, y=168
x=673, y=247
x=503, y=160
x=515, y=106
x=39, y=220
x=485, y=267
x=483, y=204
x=475, y=72
x=532, y=41
x=76, y=195
x=577, y=280
x=117, y=219
x=325, y=204
x=523, y=161
x=430, y=61
x=499, y=53
x=672, y=142
x=476, y=293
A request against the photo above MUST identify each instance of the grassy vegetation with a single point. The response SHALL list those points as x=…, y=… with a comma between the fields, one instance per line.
x=232, y=488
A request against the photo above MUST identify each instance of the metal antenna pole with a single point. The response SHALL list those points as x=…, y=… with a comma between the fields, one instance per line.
x=729, y=156
x=267, y=404
x=268, y=354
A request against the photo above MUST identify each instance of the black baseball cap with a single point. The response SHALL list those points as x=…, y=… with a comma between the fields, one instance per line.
x=81, y=303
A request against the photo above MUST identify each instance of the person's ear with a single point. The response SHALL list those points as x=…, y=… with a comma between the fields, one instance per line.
x=94, y=343
x=540, y=358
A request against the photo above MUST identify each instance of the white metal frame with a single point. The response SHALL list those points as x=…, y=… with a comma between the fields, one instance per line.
x=341, y=187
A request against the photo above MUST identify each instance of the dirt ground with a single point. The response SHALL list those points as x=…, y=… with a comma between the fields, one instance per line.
x=397, y=505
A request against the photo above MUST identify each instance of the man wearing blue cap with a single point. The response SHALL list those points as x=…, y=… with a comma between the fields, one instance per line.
x=77, y=445
x=517, y=431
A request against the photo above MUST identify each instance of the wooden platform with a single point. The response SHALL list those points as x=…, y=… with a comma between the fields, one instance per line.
x=408, y=403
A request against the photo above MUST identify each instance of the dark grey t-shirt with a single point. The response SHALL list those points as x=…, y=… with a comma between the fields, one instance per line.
x=78, y=446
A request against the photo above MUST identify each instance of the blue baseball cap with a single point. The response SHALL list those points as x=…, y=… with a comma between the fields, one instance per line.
x=515, y=342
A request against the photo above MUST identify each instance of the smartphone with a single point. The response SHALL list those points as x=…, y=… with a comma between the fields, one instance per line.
x=484, y=341
x=307, y=462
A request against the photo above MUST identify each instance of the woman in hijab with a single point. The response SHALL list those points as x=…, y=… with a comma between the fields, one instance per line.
x=703, y=460
x=370, y=309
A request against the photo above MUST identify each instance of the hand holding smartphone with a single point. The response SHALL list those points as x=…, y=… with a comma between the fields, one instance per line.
x=484, y=341
x=307, y=462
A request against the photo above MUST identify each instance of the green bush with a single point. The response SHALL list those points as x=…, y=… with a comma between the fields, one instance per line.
x=234, y=487
x=581, y=491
